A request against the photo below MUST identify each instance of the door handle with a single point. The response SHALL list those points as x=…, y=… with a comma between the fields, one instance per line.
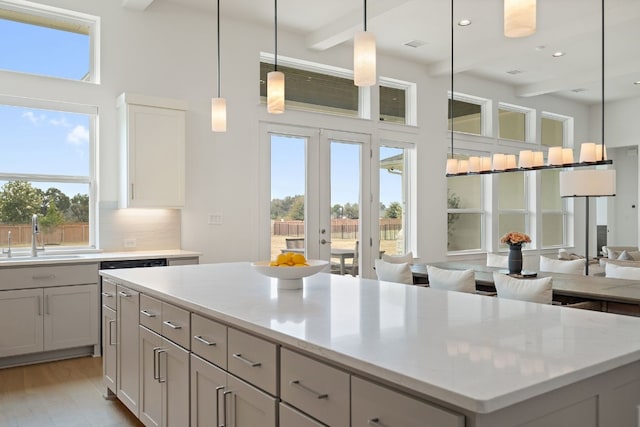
x=324, y=241
x=224, y=406
x=218, y=404
x=156, y=372
x=160, y=380
x=111, y=322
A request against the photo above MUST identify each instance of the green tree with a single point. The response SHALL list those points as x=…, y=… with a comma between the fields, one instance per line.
x=56, y=197
x=393, y=211
x=352, y=211
x=296, y=211
x=52, y=219
x=453, y=202
x=280, y=207
x=19, y=200
x=79, y=208
x=336, y=211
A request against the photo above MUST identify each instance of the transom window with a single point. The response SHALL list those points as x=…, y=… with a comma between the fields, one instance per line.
x=516, y=123
x=470, y=114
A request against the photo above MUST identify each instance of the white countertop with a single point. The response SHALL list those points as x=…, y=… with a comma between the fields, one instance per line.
x=66, y=257
x=475, y=352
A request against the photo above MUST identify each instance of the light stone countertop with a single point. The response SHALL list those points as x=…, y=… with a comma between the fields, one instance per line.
x=475, y=352
x=67, y=257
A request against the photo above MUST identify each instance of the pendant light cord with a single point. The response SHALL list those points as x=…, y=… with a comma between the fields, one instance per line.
x=275, y=61
x=365, y=15
x=218, y=48
x=452, y=97
x=602, y=74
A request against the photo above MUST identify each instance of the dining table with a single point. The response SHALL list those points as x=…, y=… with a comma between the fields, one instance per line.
x=341, y=254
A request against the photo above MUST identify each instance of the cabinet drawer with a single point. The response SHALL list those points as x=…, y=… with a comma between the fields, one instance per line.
x=318, y=389
x=151, y=313
x=44, y=276
x=176, y=325
x=209, y=340
x=109, y=294
x=252, y=359
x=290, y=417
x=371, y=403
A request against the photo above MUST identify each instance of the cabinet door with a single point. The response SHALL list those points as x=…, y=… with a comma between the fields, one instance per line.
x=247, y=406
x=22, y=310
x=207, y=384
x=174, y=376
x=156, y=150
x=128, y=304
x=150, y=386
x=109, y=342
x=71, y=316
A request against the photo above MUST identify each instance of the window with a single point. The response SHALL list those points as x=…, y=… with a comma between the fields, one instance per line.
x=395, y=206
x=555, y=130
x=48, y=41
x=469, y=114
x=554, y=216
x=464, y=212
x=513, y=204
x=46, y=169
x=397, y=101
x=314, y=90
x=516, y=123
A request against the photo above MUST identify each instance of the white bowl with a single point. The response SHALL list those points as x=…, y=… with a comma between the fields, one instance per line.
x=290, y=277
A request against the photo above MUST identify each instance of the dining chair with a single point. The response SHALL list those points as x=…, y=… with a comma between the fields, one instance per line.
x=532, y=290
x=353, y=267
x=394, y=272
x=294, y=242
x=452, y=280
x=399, y=259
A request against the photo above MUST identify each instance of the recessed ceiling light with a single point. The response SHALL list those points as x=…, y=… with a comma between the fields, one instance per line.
x=464, y=22
x=558, y=54
x=637, y=83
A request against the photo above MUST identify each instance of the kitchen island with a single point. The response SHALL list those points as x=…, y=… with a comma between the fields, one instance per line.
x=476, y=360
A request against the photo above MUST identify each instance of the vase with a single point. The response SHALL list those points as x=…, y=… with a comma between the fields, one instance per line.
x=515, y=259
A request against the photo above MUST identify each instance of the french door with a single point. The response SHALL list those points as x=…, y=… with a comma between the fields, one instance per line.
x=317, y=197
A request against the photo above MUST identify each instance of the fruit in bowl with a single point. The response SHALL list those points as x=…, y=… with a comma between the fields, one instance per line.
x=288, y=272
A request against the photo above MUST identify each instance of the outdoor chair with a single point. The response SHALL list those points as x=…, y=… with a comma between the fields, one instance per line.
x=294, y=242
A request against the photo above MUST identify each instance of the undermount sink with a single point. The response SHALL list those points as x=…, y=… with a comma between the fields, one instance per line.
x=42, y=257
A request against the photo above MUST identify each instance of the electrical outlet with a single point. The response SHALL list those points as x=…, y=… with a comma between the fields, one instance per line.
x=214, y=218
x=129, y=243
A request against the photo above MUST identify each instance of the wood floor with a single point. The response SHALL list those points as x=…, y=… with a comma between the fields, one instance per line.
x=67, y=393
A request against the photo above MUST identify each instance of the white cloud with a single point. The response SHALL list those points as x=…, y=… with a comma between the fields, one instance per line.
x=62, y=122
x=33, y=118
x=78, y=135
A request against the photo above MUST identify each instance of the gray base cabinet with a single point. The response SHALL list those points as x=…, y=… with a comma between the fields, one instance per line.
x=128, y=306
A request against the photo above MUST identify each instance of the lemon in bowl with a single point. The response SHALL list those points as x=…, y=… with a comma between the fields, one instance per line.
x=288, y=272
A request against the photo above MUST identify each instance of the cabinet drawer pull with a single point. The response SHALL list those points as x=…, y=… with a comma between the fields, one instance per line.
x=107, y=295
x=308, y=390
x=224, y=407
x=247, y=361
x=160, y=379
x=124, y=294
x=44, y=277
x=375, y=422
x=146, y=313
x=111, y=322
x=39, y=305
x=221, y=387
x=172, y=325
x=202, y=340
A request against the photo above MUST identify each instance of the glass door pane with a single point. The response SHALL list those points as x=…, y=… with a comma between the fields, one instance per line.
x=288, y=178
x=393, y=196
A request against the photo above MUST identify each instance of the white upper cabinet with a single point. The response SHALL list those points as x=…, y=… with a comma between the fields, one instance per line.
x=152, y=151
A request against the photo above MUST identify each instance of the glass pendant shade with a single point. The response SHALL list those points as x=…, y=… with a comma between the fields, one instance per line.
x=218, y=114
x=452, y=165
x=275, y=92
x=519, y=18
x=364, y=59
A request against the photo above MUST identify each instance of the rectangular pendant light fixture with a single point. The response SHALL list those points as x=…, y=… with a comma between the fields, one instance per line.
x=275, y=79
x=364, y=56
x=219, y=104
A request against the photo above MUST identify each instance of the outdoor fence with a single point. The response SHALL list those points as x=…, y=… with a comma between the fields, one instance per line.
x=340, y=228
x=66, y=234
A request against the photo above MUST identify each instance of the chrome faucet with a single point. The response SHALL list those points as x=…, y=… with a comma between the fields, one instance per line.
x=35, y=230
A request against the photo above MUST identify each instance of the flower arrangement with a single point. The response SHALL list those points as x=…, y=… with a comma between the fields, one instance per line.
x=515, y=238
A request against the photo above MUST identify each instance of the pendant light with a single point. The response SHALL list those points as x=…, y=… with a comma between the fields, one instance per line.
x=275, y=79
x=519, y=18
x=364, y=56
x=218, y=105
x=452, y=163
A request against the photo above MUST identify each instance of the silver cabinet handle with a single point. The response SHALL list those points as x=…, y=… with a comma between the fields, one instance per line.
x=162, y=351
x=309, y=390
x=46, y=305
x=375, y=422
x=224, y=407
x=156, y=373
x=202, y=340
x=111, y=322
x=218, y=404
x=171, y=324
x=147, y=313
x=247, y=361
x=39, y=305
x=124, y=294
x=107, y=295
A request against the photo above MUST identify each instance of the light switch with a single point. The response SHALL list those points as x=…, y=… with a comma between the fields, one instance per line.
x=215, y=218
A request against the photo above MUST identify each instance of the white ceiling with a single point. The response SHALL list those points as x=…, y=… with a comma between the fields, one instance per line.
x=572, y=26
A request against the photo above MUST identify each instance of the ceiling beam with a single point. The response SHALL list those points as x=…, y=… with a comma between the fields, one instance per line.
x=136, y=4
x=344, y=27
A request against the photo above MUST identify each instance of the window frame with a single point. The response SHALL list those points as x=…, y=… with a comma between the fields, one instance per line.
x=91, y=179
x=486, y=128
x=67, y=16
x=529, y=122
x=567, y=128
x=410, y=99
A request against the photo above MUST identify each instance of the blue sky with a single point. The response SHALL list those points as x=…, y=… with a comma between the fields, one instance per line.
x=36, y=140
x=287, y=172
